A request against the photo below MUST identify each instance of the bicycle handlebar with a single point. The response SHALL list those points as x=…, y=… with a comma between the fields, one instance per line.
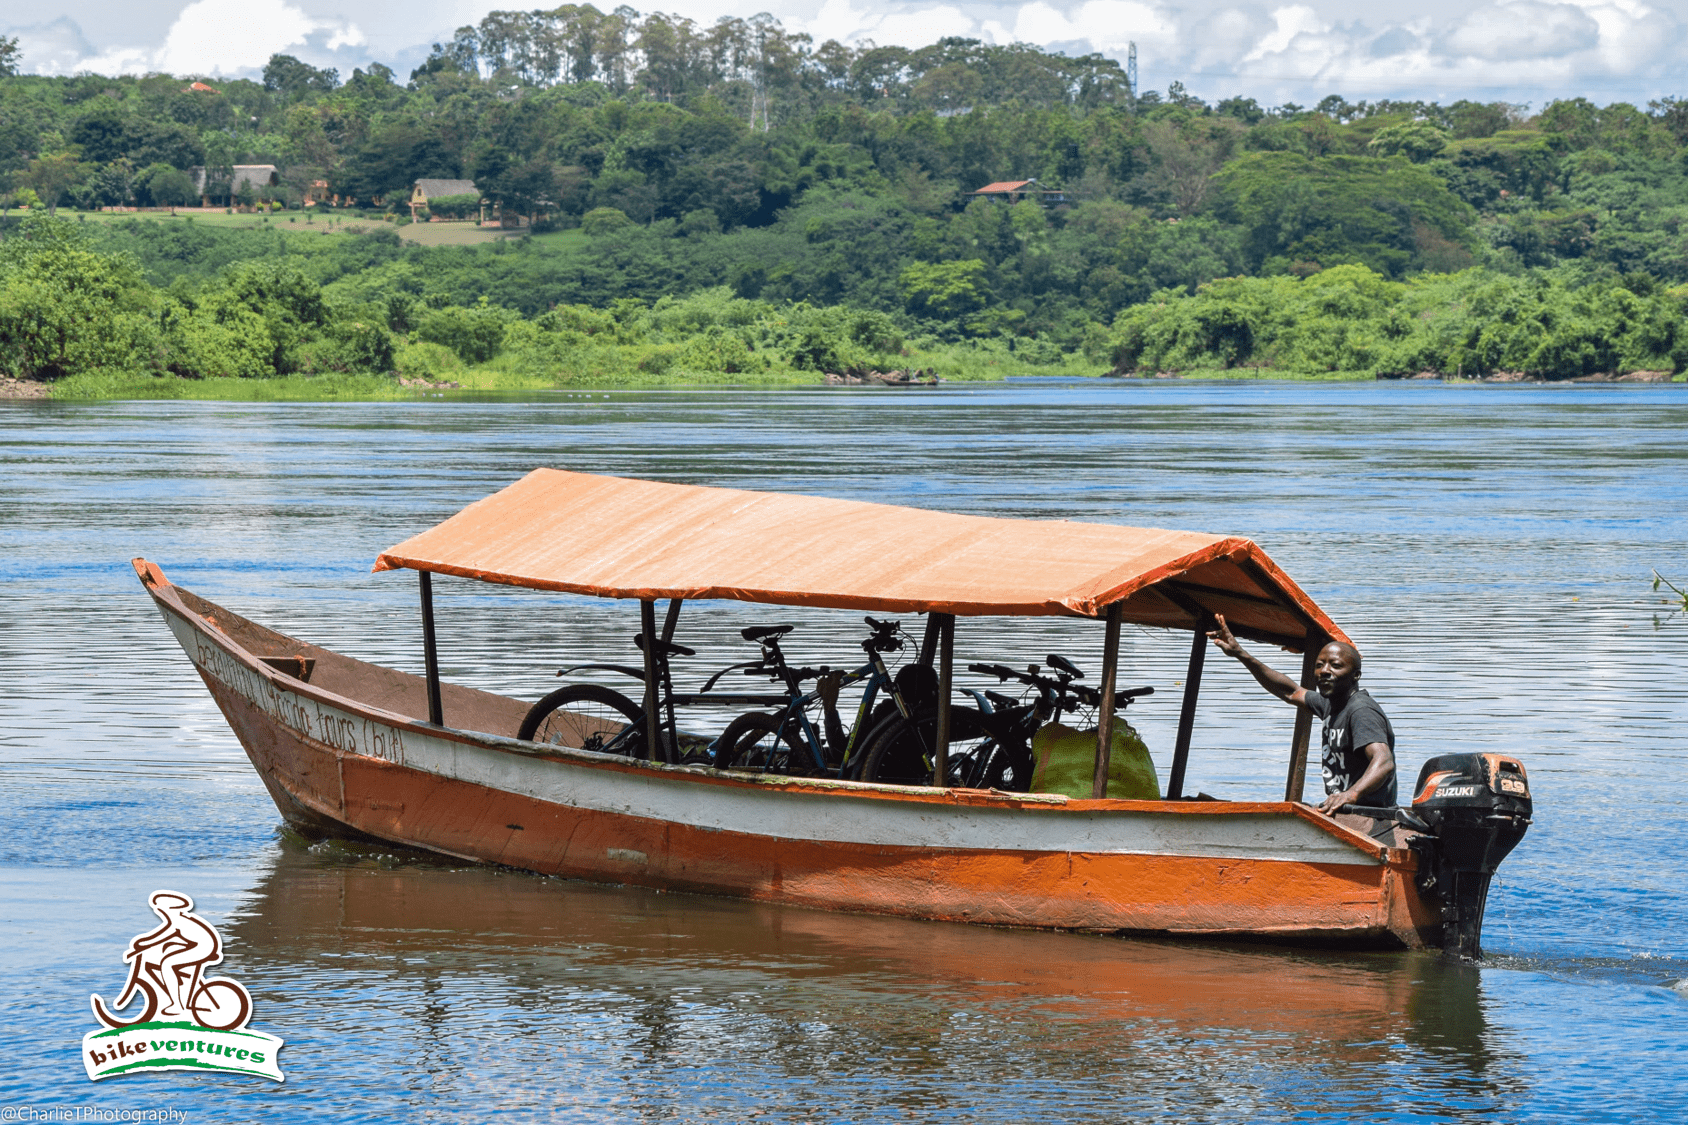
x=884, y=637
x=1087, y=695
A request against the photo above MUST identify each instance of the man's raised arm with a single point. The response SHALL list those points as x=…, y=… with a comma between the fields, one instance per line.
x=1271, y=679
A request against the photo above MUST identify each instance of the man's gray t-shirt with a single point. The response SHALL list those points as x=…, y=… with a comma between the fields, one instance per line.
x=1356, y=725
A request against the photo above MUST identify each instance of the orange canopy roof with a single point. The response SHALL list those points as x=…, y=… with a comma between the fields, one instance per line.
x=621, y=538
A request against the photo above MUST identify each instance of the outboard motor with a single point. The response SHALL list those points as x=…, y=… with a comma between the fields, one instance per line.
x=1475, y=808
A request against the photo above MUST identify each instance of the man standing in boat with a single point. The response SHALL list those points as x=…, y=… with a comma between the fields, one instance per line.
x=1359, y=743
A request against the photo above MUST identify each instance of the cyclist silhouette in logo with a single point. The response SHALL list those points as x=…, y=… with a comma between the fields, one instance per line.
x=168, y=966
x=177, y=952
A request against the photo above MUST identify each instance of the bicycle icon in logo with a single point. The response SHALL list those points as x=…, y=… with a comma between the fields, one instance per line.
x=167, y=972
x=170, y=1015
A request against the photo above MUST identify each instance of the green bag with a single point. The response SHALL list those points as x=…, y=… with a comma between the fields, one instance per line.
x=1064, y=761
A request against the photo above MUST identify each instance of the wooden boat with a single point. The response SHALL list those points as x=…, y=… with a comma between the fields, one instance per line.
x=346, y=746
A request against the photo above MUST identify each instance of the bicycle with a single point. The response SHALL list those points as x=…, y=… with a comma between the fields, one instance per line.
x=990, y=745
x=786, y=741
x=599, y=718
x=214, y=1003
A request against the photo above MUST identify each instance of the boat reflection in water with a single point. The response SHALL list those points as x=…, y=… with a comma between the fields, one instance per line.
x=545, y=994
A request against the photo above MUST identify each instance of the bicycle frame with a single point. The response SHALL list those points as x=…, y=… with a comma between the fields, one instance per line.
x=151, y=983
x=668, y=699
x=794, y=707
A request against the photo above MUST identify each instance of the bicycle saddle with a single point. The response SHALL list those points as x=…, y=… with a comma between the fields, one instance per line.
x=765, y=632
x=663, y=648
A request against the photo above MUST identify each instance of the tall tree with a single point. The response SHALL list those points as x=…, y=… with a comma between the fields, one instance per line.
x=50, y=175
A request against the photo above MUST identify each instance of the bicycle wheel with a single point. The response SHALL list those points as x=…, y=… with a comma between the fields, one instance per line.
x=221, y=1005
x=1002, y=766
x=755, y=741
x=147, y=1011
x=900, y=751
x=587, y=717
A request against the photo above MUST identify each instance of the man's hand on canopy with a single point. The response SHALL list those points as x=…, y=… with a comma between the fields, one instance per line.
x=1221, y=637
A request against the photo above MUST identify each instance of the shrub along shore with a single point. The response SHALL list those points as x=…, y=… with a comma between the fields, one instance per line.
x=147, y=309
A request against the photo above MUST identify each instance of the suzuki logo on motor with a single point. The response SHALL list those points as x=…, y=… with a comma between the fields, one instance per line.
x=1457, y=791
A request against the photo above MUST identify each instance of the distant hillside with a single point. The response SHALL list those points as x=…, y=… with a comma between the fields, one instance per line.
x=687, y=159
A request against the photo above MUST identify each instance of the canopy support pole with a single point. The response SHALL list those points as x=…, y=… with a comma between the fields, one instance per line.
x=929, y=642
x=946, y=658
x=669, y=623
x=430, y=653
x=1105, y=717
x=1297, y=779
x=1187, y=716
x=653, y=725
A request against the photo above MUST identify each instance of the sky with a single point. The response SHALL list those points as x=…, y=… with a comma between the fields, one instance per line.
x=1522, y=51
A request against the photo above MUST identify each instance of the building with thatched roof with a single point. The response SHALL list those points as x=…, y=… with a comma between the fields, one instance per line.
x=426, y=190
x=260, y=178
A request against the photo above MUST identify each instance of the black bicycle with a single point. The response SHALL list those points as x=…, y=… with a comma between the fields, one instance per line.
x=989, y=745
x=786, y=740
x=599, y=718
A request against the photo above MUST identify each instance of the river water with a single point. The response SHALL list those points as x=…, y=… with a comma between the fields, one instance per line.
x=1489, y=548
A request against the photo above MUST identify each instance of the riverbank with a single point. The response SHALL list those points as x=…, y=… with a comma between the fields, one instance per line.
x=441, y=380
x=323, y=222
x=476, y=382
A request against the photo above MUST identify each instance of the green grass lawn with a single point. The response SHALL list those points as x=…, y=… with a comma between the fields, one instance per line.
x=326, y=222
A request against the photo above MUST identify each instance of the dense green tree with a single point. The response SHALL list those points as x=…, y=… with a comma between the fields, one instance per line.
x=945, y=290
x=287, y=75
x=65, y=309
x=1418, y=141
x=1304, y=214
x=52, y=174
x=163, y=186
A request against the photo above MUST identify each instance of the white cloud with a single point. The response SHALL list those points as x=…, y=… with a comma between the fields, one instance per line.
x=1108, y=25
x=1524, y=30
x=347, y=35
x=1291, y=24
x=1269, y=49
x=207, y=37
x=52, y=48
x=918, y=28
x=211, y=37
